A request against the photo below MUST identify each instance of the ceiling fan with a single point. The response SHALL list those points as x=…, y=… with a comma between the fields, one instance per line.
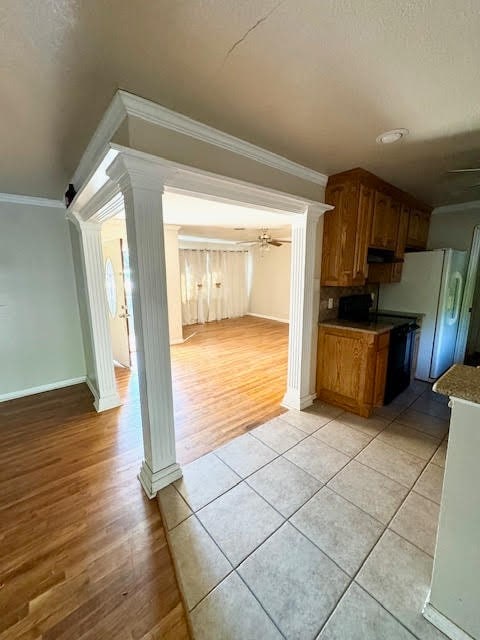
x=264, y=240
x=468, y=170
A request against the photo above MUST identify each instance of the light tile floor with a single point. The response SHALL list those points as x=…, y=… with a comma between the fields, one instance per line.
x=317, y=525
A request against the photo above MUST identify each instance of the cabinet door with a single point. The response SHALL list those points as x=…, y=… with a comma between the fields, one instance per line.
x=364, y=223
x=413, y=228
x=386, y=214
x=424, y=228
x=340, y=237
x=403, y=223
x=418, y=227
x=346, y=368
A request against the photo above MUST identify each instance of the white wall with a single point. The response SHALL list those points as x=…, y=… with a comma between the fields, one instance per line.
x=453, y=230
x=40, y=335
x=270, y=293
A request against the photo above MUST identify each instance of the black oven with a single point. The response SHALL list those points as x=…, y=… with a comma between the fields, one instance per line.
x=400, y=355
x=356, y=308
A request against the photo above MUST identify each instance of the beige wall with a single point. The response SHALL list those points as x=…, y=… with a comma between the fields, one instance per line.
x=453, y=230
x=270, y=293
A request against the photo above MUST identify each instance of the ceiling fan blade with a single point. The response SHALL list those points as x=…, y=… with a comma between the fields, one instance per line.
x=473, y=169
x=247, y=242
x=284, y=241
x=275, y=243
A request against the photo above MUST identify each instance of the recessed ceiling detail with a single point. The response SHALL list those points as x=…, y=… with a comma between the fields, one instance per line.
x=394, y=135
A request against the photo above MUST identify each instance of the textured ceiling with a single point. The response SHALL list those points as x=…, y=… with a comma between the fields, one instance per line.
x=313, y=81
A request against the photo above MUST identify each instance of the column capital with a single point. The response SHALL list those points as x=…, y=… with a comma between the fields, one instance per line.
x=317, y=209
x=90, y=226
x=133, y=172
x=312, y=214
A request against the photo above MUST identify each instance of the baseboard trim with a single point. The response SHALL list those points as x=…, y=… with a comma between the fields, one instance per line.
x=260, y=315
x=60, y=384
x=444, y=624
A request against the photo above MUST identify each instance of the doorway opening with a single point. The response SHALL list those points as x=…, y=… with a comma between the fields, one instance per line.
x=228, y=285
x=118, y=289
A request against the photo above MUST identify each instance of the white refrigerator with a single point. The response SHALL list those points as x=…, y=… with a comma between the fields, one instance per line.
x=432, y=285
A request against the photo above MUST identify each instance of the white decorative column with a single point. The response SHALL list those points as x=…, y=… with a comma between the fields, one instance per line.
x=302, y=321
x=104, y=387
x=174, y=290
x=141, y=182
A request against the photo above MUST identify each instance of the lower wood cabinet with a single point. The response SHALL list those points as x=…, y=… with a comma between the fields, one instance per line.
x=352, y=368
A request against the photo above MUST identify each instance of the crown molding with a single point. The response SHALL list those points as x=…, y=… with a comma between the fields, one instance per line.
x=178, y=178
x=13, y=198
x=99, y=142
x=460, y=207
x=149, y=111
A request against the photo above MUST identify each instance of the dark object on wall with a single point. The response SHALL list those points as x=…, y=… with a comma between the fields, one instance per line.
x=70, y=194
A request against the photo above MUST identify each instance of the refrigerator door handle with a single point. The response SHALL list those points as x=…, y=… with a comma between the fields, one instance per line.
x=457, y=297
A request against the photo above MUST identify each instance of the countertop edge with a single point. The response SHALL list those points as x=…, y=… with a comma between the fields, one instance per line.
x=460, y=381
x=357, y=327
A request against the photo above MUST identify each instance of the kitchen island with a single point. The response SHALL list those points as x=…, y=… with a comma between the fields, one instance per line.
x=453, y=604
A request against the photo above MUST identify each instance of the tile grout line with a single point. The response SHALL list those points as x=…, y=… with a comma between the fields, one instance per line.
x=287, y=519
x=387, y=527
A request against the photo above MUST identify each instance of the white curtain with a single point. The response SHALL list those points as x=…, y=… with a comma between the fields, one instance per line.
x=214, y=285
x=193, y=274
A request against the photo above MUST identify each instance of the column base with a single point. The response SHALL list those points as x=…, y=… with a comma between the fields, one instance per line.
x=103, y=403
x=153, y=482
x=444, y=624
x=292, y=400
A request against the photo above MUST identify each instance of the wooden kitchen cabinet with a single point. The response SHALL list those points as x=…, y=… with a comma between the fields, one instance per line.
x=418, y=227
x=352, y=368
x=368, y=213
x=386, y=215
x=345, y=234
x=392, y=272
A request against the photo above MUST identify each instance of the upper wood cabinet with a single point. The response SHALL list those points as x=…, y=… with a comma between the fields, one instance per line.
x=368, y=213
x=385, y=222
x=418, y=227
x=345, y=234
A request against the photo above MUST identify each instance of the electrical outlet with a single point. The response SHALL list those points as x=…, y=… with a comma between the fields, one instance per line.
x=330, y=303
x=372, y=295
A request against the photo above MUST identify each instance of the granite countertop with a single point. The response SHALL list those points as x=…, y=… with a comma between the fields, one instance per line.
x=368, y=327
x=460, y=381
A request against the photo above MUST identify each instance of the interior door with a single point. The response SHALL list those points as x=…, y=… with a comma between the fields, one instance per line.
x=117, y=305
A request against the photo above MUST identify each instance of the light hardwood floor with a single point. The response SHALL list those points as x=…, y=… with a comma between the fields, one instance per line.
x=228, y=378
x=83, y=552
